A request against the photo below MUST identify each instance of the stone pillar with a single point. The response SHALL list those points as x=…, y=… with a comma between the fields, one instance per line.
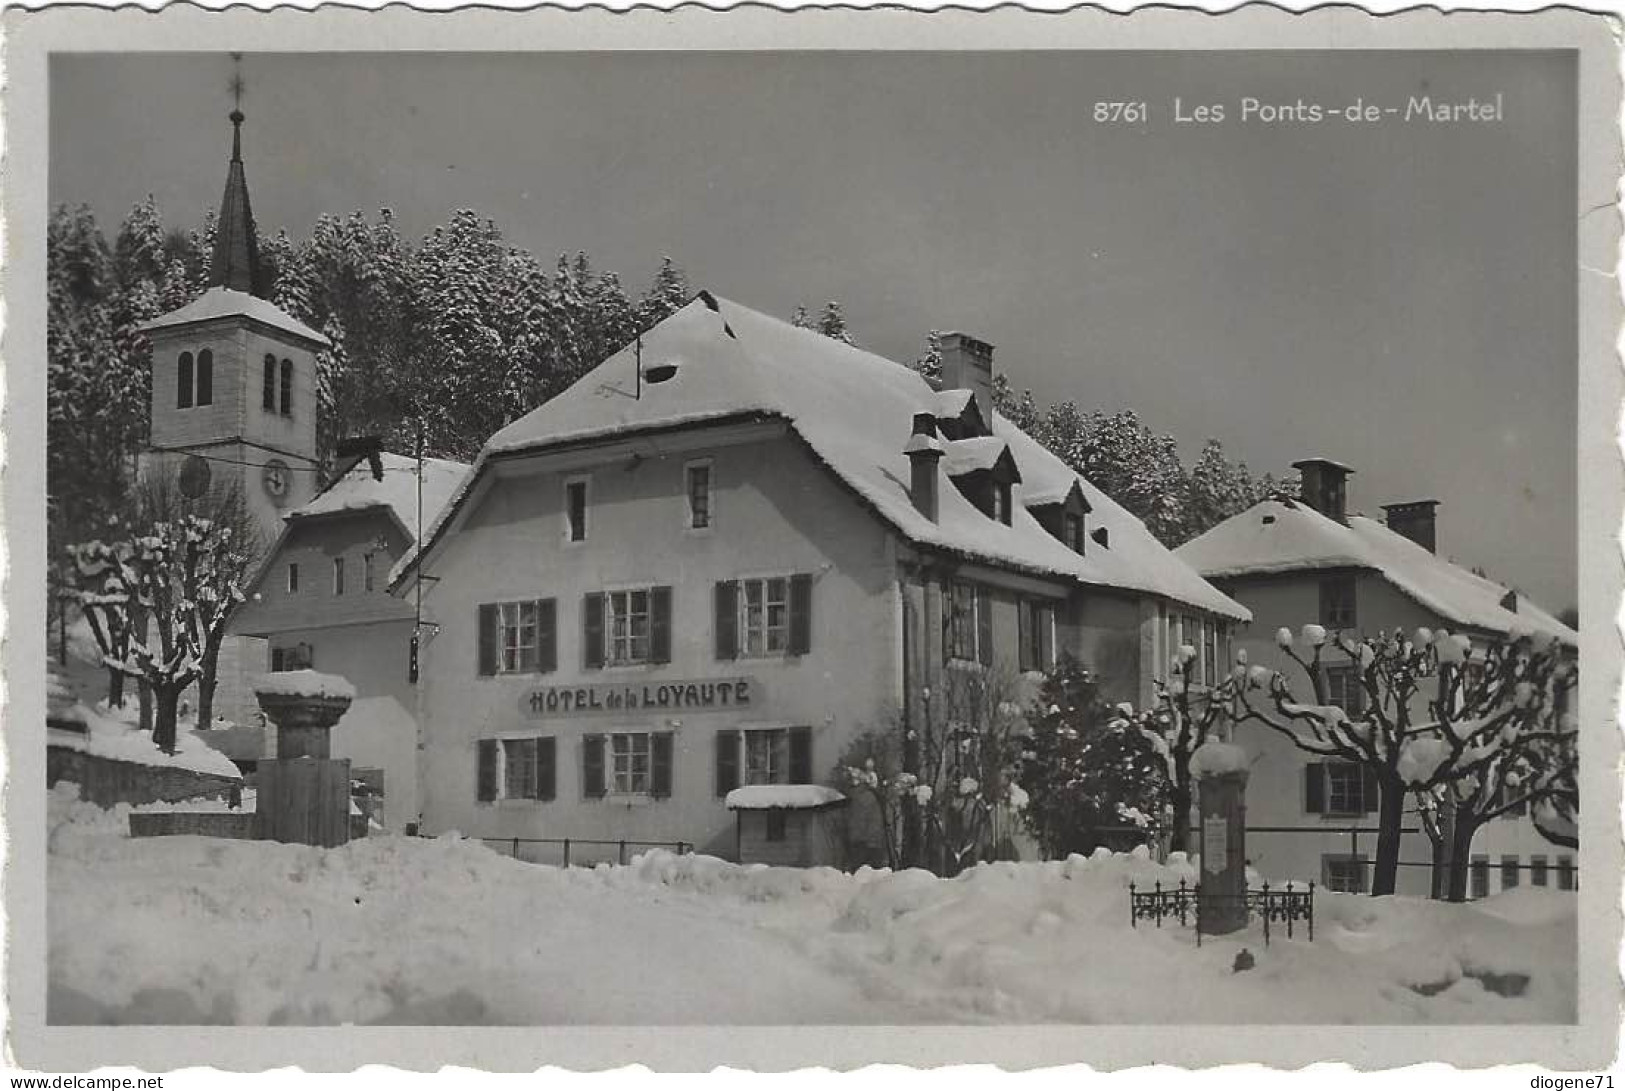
x=304, y=794
x=1220, y=770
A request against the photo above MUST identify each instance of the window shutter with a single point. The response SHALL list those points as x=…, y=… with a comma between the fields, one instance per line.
x=984, y=627
x=801, y=755
x=1026, y=638
x=1314, y=787
x=800, y=614
x=660, y=624
x=592, y=633
x=547, y=635
x=1371, y=790
x=727, y=761
x=727, y=619
x=488, y=638
x=945, y=599
x=660, y=764
x=1046, y=637
x=547, y=768
x=487, y=788
x=592, y=766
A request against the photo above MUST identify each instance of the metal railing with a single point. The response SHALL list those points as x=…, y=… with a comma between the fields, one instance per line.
x=1285, y=906
x=682, y=848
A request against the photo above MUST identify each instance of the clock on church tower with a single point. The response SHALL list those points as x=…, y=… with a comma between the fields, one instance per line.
x=234, y=378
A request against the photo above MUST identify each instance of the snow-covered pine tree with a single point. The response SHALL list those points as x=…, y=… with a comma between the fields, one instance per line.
x=1094, y=774
x=832, y=323
x=930, y=364
x=667, y=292
x=801, y=320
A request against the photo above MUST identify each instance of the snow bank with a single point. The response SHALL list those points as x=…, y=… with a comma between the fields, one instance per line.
x=762, y=797
x=306, y=683
x=120, y=740
x=386, y=930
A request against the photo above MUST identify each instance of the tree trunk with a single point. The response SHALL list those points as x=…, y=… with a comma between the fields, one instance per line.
x=115, y=688
x=1461, y=852
x=166, y=700
x=206, y=682
x=1390, y=820
x=144, y=692
x=1443, y=843
x=1180, y=800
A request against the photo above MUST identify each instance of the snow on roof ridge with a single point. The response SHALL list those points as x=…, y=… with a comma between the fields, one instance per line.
x=854, y=410
x=1299, y=538
x=357, y=490
x=222, y=302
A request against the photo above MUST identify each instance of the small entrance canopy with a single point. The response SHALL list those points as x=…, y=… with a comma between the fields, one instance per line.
x=784, y=797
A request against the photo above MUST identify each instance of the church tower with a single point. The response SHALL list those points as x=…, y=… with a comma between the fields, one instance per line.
x=234, y=406
x=234, y=378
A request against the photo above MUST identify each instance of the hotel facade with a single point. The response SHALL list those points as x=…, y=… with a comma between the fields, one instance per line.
x=730, y=550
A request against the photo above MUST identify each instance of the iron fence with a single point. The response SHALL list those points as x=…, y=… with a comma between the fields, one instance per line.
x=568, y=844
x=1281, y=906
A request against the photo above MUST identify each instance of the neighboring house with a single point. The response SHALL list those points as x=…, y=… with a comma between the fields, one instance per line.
x=721, y=569
x=1294, y=562
x=321, y=601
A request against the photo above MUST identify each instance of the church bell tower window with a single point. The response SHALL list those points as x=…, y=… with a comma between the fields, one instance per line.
x=183, y=382
x=287, y=388
x=268, y=385
x=205, y=378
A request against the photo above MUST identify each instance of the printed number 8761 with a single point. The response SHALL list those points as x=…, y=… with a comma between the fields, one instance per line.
x=1131, y=113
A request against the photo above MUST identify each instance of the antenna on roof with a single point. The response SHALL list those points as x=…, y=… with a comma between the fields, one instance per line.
x=637, y=367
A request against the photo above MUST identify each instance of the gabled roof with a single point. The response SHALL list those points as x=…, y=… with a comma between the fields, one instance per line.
x=356, y=490
x=220, y=302
x=855, y=411
x=966, y=456
x=1278, y=536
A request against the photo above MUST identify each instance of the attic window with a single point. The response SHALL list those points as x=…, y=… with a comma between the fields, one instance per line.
x=1073, y=531
x=1001, y=502
x=1268, y=519
x=659, y=373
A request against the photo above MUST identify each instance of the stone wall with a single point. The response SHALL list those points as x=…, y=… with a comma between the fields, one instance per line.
x=105, y=781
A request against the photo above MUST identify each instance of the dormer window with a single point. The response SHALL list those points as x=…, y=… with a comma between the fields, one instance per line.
x=1072, y=531
x=1001, y=502
x=983, y=470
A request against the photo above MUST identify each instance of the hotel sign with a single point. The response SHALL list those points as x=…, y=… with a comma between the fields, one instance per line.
x=694, y=696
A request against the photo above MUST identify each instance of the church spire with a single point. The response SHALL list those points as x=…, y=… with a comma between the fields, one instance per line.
x=236, y=251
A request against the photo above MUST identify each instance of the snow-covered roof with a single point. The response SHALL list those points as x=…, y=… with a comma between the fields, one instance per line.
x=951, y=403
x=219, y=302
x=357, y=490
x=1276, y=536
x=855, y=411
x=974, y=453
x=783, y=797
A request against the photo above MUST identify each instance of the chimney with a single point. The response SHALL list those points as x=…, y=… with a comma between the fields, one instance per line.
x=924, y=451
x=1414, y=519
x=967, y=364
x=1325, y=486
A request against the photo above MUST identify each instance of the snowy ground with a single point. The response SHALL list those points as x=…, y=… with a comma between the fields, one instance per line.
x=399, y=930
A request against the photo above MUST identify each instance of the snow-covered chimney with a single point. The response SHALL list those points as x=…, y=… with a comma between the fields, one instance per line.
x=924, y=451
x=1416, y=520
x=967, y=364
x=1325, y=486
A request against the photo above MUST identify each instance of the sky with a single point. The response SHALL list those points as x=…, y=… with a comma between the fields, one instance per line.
x=1397, y=295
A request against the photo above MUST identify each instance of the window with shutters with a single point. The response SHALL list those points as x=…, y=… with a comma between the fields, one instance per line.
x=626, y=627
x=1036, y=620
x=1343, y=689
x=575, y=510
x=287, y=388
x=1337, y=602
x=518, y=637
x=764, y=617
x=969, y=623
x=268, y=384
x=517, y=769
x=1343, y=873
x=697, y=485
x=183, y=382
x=767, y=756
x=1345, y=788
x=1509, y=872
x=1478, y=874
x=771, y=755
x=1538, y=871
x=1565, y=872
x=629, y=763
